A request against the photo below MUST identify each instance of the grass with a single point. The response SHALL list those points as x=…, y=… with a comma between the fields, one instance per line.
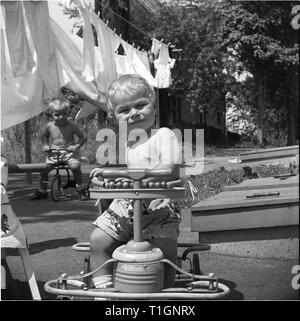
x=212, y=183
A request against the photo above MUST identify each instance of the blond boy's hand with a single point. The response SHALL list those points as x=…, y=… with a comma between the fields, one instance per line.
x=96, y=172
x=46, y=148
x=72, y=148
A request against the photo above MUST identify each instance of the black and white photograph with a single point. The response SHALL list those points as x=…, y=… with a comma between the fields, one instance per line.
x=150, y=154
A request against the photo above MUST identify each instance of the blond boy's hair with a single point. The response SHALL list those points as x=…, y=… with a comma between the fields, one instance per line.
x=130, y=84
x=62, y=103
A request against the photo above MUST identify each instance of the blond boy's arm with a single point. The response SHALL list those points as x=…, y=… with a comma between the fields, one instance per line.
x=82, y=138
x=45, y=138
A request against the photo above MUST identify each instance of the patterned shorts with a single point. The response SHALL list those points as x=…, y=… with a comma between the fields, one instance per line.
x=160, y=220
x=65, y=157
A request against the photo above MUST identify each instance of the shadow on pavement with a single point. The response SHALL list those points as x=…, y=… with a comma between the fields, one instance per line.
x=233, y=294
x=35, y=248
x=50, y=211
x=19, y=290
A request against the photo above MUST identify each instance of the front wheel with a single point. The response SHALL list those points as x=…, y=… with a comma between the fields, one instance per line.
x=55, y=188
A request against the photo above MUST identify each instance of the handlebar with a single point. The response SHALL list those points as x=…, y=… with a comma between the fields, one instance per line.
x=57, y=150
x=135, y=174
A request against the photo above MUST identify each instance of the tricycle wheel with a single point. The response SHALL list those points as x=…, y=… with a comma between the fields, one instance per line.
x=55, y=188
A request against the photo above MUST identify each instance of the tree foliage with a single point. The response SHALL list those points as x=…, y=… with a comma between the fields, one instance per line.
x=222, y=39
x=261, y=37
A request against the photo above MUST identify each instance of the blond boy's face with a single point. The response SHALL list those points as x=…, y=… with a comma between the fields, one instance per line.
x=136, y=109
x=60, y=115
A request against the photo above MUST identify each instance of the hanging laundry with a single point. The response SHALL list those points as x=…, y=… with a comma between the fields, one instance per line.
x=163, y=73
x=21, y=58
x=155, y=47
x=137, y=65
x=88, y=64
x=143, y=55
x=163, y=65
x=69, y=58
x=107, y=43
x=22, y=96
x=123, y=65
x=38, y=20
x=163, y=56
x=85, y=111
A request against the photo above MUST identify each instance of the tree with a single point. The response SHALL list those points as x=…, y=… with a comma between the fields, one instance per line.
x=261, y=37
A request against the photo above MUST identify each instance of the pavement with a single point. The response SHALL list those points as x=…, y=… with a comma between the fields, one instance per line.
x=53, y=227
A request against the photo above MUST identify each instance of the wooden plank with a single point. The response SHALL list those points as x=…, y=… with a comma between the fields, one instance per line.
x=258, y=217
x=24, y=254
x=280, y=152
x=27, y=168
x=150, y=193
x=264, y=183
x=238, y=199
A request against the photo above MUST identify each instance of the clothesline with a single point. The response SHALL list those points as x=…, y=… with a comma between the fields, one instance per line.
x=130, y=23
x=39, y=58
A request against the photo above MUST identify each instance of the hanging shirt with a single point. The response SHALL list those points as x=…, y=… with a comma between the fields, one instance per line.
x=137, y=65
x=163, y=56
x=155, y=47
x=143, y=55
x=88, y=63
x=21, y=58
x=123, y=65
x=162, y=147
x=163, y=65
x=107, y=46
x=38, y=19
x=163, y=73
x=69, y=58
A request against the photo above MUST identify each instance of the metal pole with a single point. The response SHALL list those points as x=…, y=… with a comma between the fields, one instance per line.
x=157, y=107
x=137, y=216
x=27, y=148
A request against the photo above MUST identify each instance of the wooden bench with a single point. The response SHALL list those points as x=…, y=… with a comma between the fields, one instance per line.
x=257, y=210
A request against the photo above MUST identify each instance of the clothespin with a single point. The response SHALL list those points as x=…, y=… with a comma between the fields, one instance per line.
x=98, y=13
x=161, y=40
x=114, y=30
x=133, y=44
x=120, y=35
x=107, y=22
x=168, y=44
x=138, y=47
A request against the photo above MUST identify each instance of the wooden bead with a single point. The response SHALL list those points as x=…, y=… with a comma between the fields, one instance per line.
x=157, y=184
x=163, y=184
x=111, y=184
x=151, y=184
x=125, y=184
x=119, y=185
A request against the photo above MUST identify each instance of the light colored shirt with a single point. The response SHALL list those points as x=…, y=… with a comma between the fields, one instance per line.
x=162, y=147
